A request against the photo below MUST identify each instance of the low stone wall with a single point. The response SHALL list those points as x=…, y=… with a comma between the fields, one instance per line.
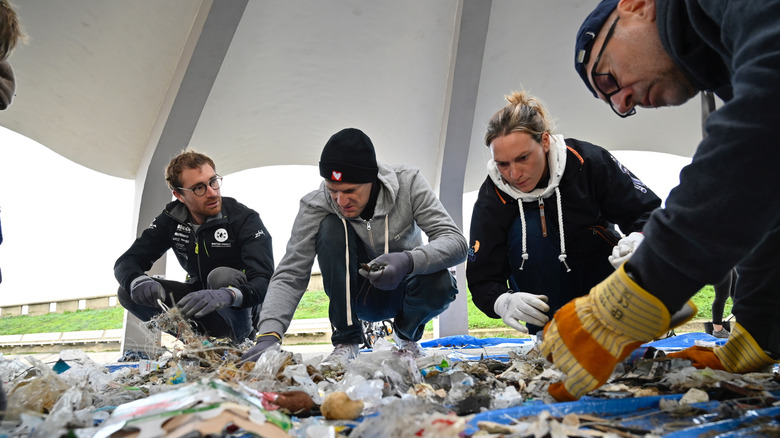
x=42, y=308
x=93, y=303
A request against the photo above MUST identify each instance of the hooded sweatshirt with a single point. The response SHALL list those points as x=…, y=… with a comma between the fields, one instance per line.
x=726, y=203
x=588, y=191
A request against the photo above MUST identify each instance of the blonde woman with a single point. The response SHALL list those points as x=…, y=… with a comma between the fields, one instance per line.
x=542, y=230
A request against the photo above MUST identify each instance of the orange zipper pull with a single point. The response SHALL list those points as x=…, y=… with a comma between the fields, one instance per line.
x=541, y=216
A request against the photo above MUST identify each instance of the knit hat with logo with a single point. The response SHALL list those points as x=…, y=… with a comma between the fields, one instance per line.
x=349, y=156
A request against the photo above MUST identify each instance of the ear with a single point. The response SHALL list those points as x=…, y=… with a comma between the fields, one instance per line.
x=546, y=142
x=640, y=9
x=177, y=195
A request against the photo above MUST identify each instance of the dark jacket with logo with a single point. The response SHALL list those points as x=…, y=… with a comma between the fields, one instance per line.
x=726, y=204
x=237, y=240
x=596, y=192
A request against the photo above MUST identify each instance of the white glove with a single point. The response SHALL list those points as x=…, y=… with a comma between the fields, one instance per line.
x=522, y=306
x=625, y=248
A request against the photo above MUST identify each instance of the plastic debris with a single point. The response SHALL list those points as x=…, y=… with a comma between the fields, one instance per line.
x=475, y=387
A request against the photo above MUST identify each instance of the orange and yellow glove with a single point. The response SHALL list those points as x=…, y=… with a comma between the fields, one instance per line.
x=590, y=335
x=740, y=354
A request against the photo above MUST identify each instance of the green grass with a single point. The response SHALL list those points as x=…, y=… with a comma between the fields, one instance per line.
x=314, y=304
x=104, y=319
x=703, y=300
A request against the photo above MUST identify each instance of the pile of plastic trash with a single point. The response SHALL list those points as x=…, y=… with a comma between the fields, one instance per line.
x=199, y=390
x=178, y=393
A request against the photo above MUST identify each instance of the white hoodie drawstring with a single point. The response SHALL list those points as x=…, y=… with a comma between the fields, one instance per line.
x=562, y=256
x=346, y=255
x=522, y=222
x=387, y=238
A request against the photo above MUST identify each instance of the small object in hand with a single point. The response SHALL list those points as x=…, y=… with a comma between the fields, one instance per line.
x=338, y=406
x=372, y=268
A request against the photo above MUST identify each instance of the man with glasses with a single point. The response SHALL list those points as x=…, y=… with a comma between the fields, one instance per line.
x=221, y=243
x=724, y=213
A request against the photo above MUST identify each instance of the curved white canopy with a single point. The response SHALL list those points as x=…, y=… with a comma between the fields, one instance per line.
x=258, y=83
x=121, y=86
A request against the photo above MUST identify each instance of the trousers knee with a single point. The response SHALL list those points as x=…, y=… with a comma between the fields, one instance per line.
x=330, y=224
x=330, y=232
x=438, y=289
x=123, y=297
x=224, y=276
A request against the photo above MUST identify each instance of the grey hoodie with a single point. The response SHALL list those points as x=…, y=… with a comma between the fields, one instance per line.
x=406, y=205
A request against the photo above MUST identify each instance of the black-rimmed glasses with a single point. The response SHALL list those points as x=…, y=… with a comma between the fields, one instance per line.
x=605, y=82
x=200, y=189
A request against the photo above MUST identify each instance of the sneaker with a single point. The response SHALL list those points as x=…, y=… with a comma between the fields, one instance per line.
x=721, y=334
x=341, y=355
x=408, y=347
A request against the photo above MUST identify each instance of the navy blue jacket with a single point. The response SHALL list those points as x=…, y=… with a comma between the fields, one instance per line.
x=597, y=192
x=727, y=201
x=237, y=240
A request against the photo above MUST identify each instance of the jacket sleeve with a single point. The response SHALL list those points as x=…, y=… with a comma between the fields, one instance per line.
x=625, y=200
x=147, y=248
x=257, y=258
x=292, y=275
x=487, y=269
x=446, y=244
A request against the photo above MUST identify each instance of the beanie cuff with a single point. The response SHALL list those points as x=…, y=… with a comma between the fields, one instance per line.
x=343, y=172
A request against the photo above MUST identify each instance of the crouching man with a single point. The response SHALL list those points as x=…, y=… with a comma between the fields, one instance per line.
x=363, y=224
x=221, y=243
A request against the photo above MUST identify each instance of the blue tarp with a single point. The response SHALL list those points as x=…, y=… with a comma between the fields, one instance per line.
x=673, y=343
x=461, y=341
x=642, y=413
x=684, y=341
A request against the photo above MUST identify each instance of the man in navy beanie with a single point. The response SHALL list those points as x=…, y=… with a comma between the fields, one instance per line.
x=725, y=212
x=366, y=214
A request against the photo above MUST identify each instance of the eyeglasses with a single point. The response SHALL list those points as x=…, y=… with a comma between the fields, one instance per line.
x=605, y=82
x=200, y=189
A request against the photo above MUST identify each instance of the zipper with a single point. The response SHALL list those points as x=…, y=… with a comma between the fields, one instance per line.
x=602, y=232
x=370, y=234
x=197, y=253
x=541, y=216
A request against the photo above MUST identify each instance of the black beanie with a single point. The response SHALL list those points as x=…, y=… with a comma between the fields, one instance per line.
x=349, y=156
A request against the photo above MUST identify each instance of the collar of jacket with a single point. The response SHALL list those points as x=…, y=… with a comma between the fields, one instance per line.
x=680, y=26
x=181, y=214
x=556, y=160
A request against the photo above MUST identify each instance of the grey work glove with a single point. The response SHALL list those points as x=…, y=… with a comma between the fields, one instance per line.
x=201, y=303
x=263, y=342
x=625, y=249
x=144, y=290
x=388, y=270
x=522, y=306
